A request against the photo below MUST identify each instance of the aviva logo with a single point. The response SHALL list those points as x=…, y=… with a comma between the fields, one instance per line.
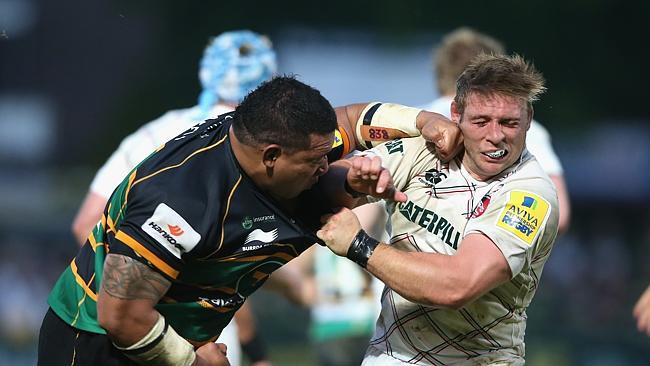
x=175, y=230
x=523, y=215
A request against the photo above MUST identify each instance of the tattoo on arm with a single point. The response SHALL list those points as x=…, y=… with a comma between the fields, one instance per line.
x=128, y=279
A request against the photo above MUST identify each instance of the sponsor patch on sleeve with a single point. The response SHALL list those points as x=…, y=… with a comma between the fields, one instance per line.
x=171, y=230
x=523, y=215
x=338, y=139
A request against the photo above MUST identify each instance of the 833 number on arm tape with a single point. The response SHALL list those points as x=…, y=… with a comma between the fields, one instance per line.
x=380, y=122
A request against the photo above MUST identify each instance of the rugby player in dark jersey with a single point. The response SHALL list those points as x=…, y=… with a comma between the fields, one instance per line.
x=198, y=226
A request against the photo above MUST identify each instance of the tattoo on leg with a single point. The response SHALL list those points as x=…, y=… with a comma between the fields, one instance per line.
x=128, y=279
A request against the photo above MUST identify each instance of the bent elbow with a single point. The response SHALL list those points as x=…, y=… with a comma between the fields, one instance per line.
x=107, y=318
x=457, y=299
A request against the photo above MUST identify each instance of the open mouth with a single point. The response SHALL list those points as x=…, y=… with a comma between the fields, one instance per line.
x=498, y=154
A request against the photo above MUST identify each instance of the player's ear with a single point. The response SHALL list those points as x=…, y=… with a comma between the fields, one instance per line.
x=455, y=113
x=270, y=154
x=531, y=113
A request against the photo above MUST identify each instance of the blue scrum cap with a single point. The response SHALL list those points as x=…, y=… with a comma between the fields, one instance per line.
x=233, y=64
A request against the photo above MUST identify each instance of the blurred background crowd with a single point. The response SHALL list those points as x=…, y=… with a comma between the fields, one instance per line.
x=76, y=77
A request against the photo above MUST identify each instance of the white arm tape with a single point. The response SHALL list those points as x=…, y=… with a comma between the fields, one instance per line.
x=380, y=122
x=162, y=346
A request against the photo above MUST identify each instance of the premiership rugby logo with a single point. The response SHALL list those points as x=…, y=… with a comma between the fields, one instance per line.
x=523, y=215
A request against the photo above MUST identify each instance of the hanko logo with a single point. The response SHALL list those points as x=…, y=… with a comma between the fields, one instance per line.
x=523, y=215
x=175, y=230
x=171, y=230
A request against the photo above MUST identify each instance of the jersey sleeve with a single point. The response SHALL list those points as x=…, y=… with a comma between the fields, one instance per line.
x=538, y=142
x=517, y=219
x=403, y=158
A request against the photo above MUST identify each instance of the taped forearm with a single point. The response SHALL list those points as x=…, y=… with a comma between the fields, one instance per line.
x=162, y=346
x=380, y=122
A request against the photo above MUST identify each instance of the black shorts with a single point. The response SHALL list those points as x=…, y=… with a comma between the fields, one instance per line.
x=60, y=344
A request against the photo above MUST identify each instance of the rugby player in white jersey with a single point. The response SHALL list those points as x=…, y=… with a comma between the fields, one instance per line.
x=454, y=53
x=470, y=242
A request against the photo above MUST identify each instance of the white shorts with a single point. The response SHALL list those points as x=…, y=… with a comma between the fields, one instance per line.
x=230, y=336
x=375, y=357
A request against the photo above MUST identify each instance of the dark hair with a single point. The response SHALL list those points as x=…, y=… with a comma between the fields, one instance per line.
x=283, y=111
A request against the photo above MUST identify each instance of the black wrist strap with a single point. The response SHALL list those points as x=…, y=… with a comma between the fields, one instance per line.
x=254, y=349
x=361, y=248
x=351, y=191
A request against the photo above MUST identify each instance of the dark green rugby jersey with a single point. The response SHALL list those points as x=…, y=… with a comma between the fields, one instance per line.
x=189, y=212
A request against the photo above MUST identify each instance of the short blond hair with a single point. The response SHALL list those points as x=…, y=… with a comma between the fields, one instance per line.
x=456, y=51
x=499, y=75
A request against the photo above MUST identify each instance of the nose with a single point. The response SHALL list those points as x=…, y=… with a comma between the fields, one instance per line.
x=495, y=132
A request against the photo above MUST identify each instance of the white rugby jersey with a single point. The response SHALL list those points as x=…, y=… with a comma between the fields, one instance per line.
x=517, y=210
x=538, y=140
x=138, y=145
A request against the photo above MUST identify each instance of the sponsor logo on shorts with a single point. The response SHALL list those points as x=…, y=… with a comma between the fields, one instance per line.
x=171, y=230
x=523, y=215
x=230, y=302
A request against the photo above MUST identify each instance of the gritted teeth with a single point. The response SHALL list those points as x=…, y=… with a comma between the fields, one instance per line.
x=496, y=154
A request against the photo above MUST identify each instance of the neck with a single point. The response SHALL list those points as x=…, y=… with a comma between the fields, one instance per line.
x=247, y=158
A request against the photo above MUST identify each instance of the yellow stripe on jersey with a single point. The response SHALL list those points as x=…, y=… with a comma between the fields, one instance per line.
x=147, y=254
x=93, y=242
x=126, y=195
x=225, y=214
x=257, y=258
x=346, y=141
x=81, y=282
x=182, y=162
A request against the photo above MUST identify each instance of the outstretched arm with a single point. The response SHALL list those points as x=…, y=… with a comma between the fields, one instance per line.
x=449, y=281
x=397, y=121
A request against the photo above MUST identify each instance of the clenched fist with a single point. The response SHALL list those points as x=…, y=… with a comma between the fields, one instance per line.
x=366, y=175
x=443, y=133
x=339, y=230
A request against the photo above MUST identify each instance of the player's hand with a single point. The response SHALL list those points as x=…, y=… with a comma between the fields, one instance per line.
x=339, y=231
x=443, y=133
x=366, y=175
x=642, y=312
x=211, y=354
